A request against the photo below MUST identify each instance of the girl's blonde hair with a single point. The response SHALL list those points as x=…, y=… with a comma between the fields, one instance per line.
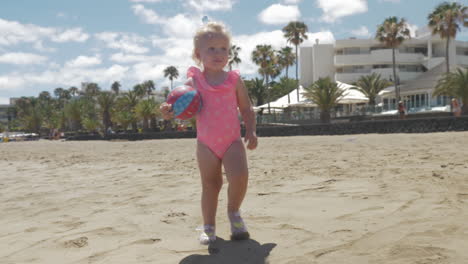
x=207, y=30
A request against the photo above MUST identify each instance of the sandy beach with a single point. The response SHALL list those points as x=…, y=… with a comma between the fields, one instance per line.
x=396, y=198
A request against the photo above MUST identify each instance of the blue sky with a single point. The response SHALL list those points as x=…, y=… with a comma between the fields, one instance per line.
x=45, y=44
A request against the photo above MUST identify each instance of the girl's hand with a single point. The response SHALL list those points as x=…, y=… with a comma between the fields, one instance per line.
x=251, y=140
x=166, y=111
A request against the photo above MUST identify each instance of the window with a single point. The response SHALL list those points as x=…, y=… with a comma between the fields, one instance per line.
x=351, y=51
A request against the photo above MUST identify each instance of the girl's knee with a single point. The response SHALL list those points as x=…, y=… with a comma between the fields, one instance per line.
x=212, y=184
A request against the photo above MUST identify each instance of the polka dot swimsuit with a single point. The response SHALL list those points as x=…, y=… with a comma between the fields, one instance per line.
x=218, y=123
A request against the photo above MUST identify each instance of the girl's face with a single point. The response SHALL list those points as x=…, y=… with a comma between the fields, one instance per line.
x=213, y=51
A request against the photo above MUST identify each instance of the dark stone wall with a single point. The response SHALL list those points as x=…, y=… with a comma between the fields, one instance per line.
x=414, y=125
x=422, y=125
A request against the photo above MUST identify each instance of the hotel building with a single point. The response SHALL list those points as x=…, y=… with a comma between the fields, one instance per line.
x=420, y=63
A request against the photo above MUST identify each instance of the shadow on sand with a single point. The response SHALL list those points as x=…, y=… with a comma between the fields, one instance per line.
x=232, y=252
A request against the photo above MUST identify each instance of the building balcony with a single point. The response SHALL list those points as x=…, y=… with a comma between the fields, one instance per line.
x=386, y=73
x=354, y=59
x=380, y=56
x=349, y=77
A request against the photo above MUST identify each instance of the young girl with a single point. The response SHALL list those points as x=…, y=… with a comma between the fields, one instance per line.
x=218, y=129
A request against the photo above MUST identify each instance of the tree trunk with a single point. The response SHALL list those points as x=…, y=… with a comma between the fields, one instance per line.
x=289, y=100
x=395, y=78
x=134, y=127
x=465, y=108
x=153, y=124
x=297, y=75
x=145, y=124
x=447, y=54
x=325, y=116
x=268, y=93
x=106, y=120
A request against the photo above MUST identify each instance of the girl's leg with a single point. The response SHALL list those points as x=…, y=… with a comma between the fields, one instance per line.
x=235, y=165
x=212, y=181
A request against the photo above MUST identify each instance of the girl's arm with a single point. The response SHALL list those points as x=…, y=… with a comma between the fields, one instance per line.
x=248, y=114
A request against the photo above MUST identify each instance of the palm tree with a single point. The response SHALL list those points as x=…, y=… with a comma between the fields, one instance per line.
x=454, y=84
x=234, y=56
x=106, y=101
x=139, y=90
x=148, y=87
x=445, y=21
x=295, y=33
x=115, y=87
x=58, y=92
x=73, y=91
x=124, y=118
x=172, y=73
x=284, y=86
x=371, y=86
x=286, y=58
x=265, y=57
x=91, y=89
x=72, y=112
x=29, y=113
x=145, y=110
x=326, y=94
x=257, y=90
x=91, y=124
x=45, y=96
x=131, y=100
x=392, y=32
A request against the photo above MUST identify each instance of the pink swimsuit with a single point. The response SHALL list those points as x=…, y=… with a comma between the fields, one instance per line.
x=218, y=123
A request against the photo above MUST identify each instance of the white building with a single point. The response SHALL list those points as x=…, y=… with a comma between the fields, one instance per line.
x=420, y=63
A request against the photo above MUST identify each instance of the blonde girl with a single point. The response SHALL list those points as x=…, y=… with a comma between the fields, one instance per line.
x=219, y=141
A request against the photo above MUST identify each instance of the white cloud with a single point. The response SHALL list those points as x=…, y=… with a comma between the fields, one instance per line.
x=273, y=38
x=74, y=34
x=361, y=32
x=83, y=61
x=10, y=83
x=22, y=58
x=148, y=15
x=324, y=37
x=127, y=42
x=279, y=14
x=128, y=58
x=210, y=5
x=12, y=33
x=335, y=9
x=413, y=29
x=292, y=2
x=146, y=1
x=179, y=25
x=39, y=45
x=148, y=71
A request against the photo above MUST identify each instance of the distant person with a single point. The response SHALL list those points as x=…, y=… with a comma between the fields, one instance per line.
x=218, y=129
x=456, y=109
x=401, y=110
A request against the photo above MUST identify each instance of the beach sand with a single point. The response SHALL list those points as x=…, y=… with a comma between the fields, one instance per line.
x=395, y=198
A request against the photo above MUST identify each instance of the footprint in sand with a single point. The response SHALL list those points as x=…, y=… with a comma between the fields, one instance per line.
x=179, y=215
x=147, y=241
x=77, y=243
